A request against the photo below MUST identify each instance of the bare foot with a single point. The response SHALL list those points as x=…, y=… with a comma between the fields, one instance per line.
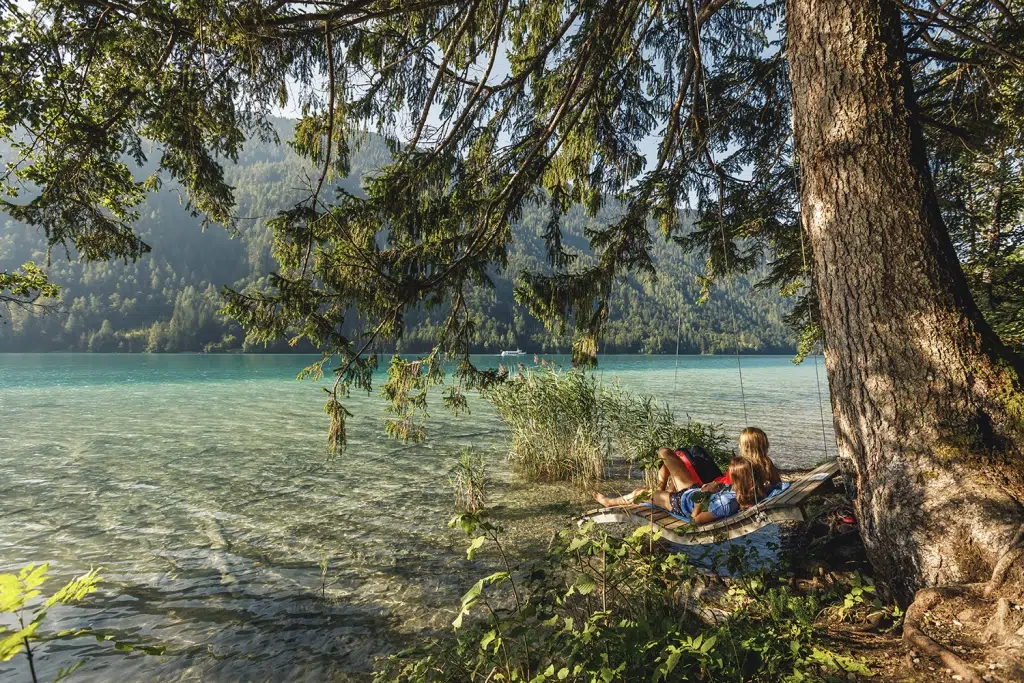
x=603, y=500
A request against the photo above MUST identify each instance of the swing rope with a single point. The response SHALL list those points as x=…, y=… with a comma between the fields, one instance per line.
x=675, y=380
x=735, y=322
x=725, y=242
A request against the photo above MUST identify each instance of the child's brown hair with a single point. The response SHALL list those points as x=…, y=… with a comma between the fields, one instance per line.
x=744, y=481
x=754, y=447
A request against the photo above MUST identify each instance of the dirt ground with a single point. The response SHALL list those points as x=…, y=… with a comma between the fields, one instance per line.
x=982, y=631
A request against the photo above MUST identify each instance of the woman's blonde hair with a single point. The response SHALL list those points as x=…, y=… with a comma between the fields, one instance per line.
x=754, y=447
x=744, y=481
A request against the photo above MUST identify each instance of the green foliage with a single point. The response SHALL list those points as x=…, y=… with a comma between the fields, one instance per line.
x=979, y=169
x=640, y=426
x=862, y=588
x=564, y=425
x=608, y=119
x=18, y=591
x=25, y=286
x=558, y=430
x=599, y=609
x=325, y=581
x=21, y=592
x=468, y=479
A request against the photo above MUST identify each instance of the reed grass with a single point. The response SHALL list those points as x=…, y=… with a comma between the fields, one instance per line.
x=468, y=479
x=566, y=425
x=555, y=424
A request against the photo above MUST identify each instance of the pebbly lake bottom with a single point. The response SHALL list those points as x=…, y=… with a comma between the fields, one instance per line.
x=199, y=486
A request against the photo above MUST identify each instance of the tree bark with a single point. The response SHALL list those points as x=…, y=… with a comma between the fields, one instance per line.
x=927, y=403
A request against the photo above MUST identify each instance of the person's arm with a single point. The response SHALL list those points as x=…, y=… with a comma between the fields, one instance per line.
x=722, y=503
x=699, y=518
x=712, y=486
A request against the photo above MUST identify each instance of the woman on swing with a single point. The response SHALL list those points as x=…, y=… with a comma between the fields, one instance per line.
x=751, y=477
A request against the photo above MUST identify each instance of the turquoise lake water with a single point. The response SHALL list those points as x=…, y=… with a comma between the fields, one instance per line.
x=199, y=485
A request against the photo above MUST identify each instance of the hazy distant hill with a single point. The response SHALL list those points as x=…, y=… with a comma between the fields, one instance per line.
x=168, y=300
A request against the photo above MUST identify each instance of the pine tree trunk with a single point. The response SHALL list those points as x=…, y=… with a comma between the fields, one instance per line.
x=927, y=403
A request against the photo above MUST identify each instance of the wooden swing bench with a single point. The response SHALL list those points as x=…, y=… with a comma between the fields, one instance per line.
x=787, y=506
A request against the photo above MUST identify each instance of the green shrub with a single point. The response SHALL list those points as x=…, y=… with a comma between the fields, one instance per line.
x=565, y=425
x=468, y=479
x=597, y=609
x=18, y=592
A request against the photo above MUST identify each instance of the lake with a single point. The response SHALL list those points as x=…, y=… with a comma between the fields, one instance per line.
x=200, y=486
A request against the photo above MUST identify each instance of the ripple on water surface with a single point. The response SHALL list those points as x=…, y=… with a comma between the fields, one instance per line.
x=199, y=485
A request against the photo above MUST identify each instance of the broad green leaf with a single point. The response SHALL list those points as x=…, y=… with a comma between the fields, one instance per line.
x=15, y=642
x=475, y=545
x=585, y=584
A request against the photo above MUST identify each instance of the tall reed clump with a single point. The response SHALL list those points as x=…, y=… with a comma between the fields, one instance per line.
x=557, y=431
x=640, y=426
x=564, y=425
x=468, y=479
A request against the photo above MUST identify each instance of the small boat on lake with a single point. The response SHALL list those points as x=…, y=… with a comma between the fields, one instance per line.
x=517, y=352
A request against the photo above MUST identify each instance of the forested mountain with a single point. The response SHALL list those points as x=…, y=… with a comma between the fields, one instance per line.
x=168, y=300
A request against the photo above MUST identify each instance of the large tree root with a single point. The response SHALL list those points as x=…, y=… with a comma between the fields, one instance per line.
x=1005, y=563
x=914, y=637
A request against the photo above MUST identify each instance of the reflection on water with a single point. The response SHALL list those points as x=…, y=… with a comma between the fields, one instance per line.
x=199, y=485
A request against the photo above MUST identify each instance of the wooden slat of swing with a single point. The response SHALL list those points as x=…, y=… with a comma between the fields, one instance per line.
x=785, y=507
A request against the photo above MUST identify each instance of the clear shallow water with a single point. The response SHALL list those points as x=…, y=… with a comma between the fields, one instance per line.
x=199, y=485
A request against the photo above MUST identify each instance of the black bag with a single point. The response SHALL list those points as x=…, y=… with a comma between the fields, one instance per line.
x=703, y=464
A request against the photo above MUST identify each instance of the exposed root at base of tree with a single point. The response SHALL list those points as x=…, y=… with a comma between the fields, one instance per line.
x=995, y=639
x=962, y=632
x=914, y=637
x=1005, y=564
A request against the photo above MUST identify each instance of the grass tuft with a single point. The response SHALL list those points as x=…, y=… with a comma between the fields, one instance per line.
x=468, y=479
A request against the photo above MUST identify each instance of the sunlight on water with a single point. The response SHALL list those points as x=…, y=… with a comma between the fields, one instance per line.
x=199, y=485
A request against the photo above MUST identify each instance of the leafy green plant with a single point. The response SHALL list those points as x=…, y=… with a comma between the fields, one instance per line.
x=861, y=603
x=19, y=594
x=640, y=426
x=600, y=609
x=324, y=565
x=895, y=615
x=468, y=479
x=858, y=598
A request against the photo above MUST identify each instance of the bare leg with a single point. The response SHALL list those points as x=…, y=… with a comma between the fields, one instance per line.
x=665, y=482
x=662, y=499
x=676, y=469
x=609, y=502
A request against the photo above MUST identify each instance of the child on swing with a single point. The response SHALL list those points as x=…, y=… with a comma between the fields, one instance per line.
x=685, y=472
x=727, y=501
